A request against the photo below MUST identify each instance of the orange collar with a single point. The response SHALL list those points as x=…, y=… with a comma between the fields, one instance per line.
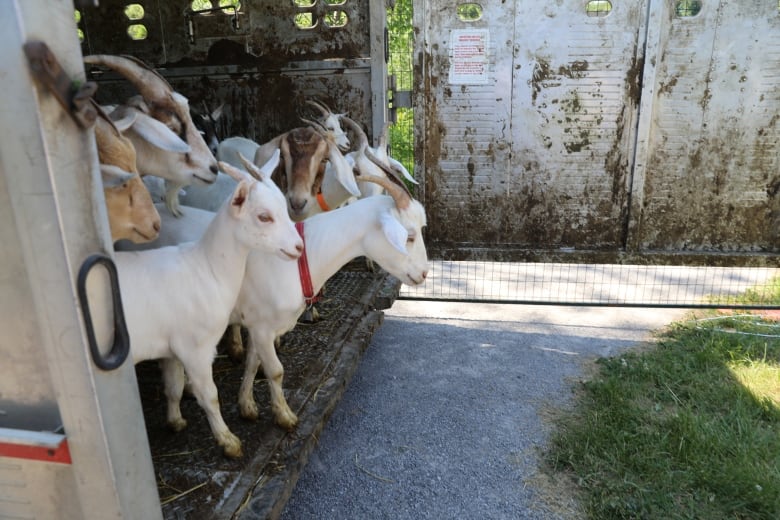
x=321, y=200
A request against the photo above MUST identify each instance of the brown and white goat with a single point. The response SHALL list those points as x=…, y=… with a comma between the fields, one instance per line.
x=304, y=152
x=131, y=212
x=192, y=161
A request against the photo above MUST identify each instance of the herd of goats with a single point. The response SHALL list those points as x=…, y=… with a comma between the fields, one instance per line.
x=251, y=247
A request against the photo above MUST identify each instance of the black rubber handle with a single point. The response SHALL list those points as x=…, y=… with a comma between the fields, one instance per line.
x=121, y=347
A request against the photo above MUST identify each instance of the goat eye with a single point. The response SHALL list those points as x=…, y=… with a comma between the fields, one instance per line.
x=265, y=218
x=130, y=196
x=410, y=239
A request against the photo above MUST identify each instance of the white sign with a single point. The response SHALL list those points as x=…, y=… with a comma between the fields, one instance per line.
x=469, y=57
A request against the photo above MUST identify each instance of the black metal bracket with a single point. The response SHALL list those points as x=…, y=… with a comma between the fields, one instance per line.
x=75, y=99
x=121, y=346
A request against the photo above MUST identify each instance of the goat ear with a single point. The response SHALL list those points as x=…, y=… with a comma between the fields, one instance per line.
x=139, y=103
x=270, y=166
x=238, y=202
x=125, y=117
x=266, y=150
x=158, y=134
x=398, y=167
x=217, y=113
x=395, y=233
x=344, y=170
x=113, y=176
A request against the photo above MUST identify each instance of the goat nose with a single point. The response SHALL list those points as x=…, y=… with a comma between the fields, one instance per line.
x=424, y=275
x=298, y=204
x=156, y=226
x=299, y=247
x=214, y=169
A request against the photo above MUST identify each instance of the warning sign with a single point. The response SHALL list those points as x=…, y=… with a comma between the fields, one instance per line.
x=469, y=57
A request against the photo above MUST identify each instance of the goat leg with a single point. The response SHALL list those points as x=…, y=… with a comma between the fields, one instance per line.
x=173, y=379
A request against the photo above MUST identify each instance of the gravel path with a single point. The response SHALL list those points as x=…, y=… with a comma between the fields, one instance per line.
x=445, y=417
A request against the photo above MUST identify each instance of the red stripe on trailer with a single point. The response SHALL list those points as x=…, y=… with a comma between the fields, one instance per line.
x=60, y=454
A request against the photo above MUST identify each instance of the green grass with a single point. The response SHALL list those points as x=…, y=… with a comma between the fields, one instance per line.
x=687, y=429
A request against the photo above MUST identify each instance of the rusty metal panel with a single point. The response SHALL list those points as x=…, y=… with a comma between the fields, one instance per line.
x=708, y=180
x=262, y=32
x=463, y=122
x=260, y=105
x=538, y=155
x=256, y=62
x=575, y=100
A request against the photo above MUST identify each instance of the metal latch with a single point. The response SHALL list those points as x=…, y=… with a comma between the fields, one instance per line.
x=74, y=98
x=398, y=98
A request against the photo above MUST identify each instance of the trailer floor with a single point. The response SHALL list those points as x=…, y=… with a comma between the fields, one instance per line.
x=194, y=479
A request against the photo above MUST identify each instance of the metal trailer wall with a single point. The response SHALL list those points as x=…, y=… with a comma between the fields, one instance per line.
x=261, y=62
x=646, y=135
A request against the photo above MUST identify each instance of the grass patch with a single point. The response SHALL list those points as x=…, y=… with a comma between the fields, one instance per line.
x=688, y=429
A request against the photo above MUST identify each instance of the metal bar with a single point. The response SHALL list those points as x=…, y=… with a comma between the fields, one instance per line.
x=564, y=303
x=378, y=34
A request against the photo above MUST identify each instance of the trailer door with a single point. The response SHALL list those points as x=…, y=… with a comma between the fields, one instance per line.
x=72, y=437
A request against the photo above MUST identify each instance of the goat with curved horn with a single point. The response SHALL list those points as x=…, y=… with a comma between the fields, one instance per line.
x=395, y=189
x=167, y=141
x=330, y=122
x=322, y=107
x=146, y=80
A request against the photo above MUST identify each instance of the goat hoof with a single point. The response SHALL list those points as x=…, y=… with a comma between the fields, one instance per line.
x=249, y=411
x=231, y=447
x=177, y=425
x=310, y=315
x=287, y=422
x=285, y=417
x=236, y=353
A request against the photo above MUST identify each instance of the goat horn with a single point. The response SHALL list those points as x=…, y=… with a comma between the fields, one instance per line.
x=316, y=125
x=362, y=137
x=391, y=174
x=320, y=106
x=233, y=172
x=400, y=196
x=253, y=170
x=105, y=117
x=149, y=83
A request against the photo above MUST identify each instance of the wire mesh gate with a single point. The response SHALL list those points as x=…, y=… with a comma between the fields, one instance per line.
x=598, y=284
x=541, y=282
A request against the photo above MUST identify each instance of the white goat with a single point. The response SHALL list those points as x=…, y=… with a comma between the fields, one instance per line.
x=200, y=282
x=385, y=229
x=174, y=149
x=331, y=124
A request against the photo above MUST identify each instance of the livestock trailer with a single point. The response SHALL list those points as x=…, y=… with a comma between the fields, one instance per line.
x=77, y=437
x=600, y=130
x=572, y=131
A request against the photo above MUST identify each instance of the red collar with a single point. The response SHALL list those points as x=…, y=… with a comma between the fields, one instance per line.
x=304, y=273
